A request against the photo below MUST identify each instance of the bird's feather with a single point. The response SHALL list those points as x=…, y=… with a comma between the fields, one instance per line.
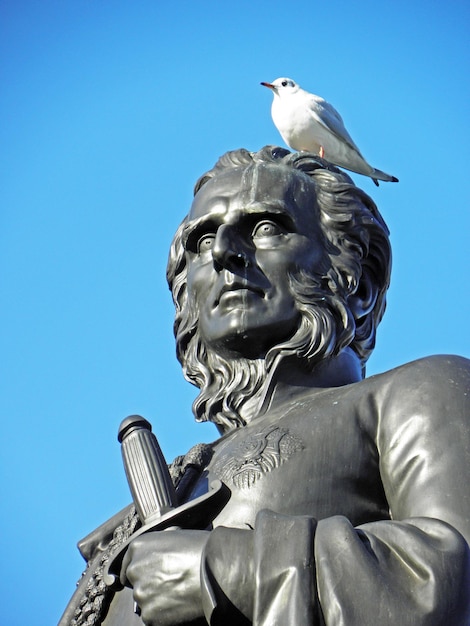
x=325, y=114
x=308, y=122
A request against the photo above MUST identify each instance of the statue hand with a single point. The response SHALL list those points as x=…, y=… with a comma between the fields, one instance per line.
x=163, y=568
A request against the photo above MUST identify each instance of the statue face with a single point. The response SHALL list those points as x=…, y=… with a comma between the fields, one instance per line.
x=247, y=231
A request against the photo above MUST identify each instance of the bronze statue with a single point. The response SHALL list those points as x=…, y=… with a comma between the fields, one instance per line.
x=349, y=499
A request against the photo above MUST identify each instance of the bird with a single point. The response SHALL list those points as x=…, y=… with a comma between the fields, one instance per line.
x=309, y=123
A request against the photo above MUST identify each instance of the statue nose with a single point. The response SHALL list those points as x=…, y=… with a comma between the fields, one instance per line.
x=228, y=250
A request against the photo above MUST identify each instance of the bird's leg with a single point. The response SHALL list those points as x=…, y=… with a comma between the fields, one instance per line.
x=322, y=152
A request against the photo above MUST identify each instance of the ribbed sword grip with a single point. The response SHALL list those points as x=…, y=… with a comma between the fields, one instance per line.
x=146, y=469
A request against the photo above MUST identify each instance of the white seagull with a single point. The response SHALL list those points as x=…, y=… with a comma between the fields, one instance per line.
x=308, y=122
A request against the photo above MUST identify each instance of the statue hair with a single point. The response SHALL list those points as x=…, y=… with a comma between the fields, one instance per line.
x=358, y=254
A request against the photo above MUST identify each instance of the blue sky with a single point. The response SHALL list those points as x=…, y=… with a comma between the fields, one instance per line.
x=109, y=113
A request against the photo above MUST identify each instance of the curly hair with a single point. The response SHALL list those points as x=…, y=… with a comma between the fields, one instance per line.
x=356, y=241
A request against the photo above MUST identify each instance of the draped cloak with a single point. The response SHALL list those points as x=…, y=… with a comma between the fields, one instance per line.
x=351, y=505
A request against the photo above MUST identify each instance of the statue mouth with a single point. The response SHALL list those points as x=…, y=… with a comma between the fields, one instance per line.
x=238, y=289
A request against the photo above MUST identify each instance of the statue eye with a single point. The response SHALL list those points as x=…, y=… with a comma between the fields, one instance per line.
x=266, y=229
x=205, y=243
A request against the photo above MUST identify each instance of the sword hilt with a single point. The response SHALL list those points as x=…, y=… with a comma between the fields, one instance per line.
x=146, y=469
x=153, y=492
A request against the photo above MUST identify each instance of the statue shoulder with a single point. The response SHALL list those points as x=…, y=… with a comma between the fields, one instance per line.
x=433, y=389
x=435, y=372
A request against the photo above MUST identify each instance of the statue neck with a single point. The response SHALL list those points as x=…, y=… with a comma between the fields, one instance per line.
x=290, y=378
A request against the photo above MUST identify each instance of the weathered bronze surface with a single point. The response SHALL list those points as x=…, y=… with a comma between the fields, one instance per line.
x=349, y=497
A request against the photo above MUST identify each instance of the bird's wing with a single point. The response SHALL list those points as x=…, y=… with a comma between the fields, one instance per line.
x=326, y=115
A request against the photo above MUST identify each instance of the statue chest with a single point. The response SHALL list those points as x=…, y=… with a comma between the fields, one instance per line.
x=306, y=462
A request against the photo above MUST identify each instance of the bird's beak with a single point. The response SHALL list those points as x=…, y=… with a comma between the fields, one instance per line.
x=268, y=85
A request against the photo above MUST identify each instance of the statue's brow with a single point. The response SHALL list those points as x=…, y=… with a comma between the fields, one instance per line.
x=277, y=208
x=196, y=224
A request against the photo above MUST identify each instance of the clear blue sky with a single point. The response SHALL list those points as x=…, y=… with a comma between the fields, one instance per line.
x=109, y=111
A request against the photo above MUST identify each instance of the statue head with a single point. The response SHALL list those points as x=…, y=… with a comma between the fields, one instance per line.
x=281, y=257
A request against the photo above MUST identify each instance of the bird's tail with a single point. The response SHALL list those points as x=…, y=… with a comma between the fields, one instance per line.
x=379, y=175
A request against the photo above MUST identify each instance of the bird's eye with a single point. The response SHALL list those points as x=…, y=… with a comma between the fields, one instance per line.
x=266, y=229
x=284, y=83
x=205, y=243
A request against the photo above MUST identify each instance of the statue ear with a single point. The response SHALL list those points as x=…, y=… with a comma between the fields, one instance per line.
x=363, y=300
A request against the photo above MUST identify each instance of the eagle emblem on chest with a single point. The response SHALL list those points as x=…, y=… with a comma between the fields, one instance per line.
x=244, y=462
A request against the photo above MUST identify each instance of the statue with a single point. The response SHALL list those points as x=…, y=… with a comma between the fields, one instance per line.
x=349, y=499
